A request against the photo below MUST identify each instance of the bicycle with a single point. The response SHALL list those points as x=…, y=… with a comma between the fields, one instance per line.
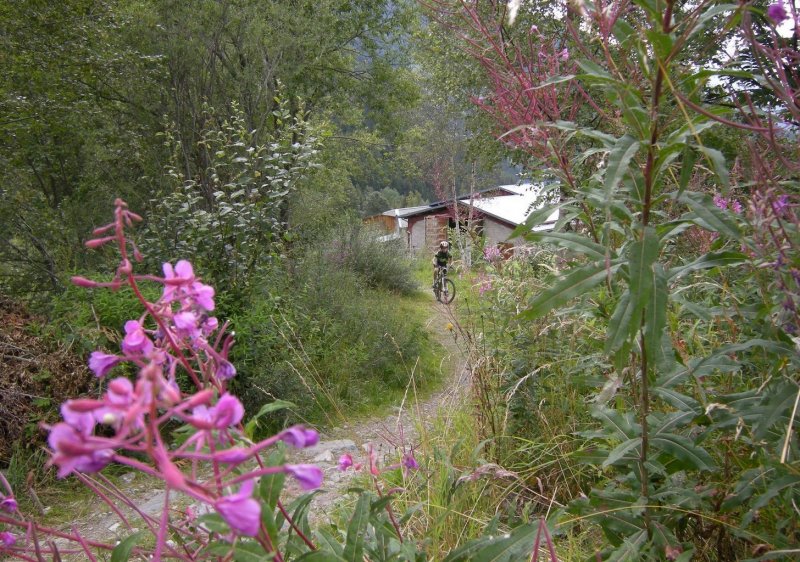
x=443, y=288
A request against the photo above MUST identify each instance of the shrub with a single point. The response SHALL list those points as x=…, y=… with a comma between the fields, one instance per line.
x=379, y=261
x=325, y=341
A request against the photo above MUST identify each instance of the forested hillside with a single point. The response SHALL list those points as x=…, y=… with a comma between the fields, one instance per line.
x=182, y=188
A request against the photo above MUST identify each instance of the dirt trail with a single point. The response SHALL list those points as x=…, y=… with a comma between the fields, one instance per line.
x=393, y=434
x=387, y=434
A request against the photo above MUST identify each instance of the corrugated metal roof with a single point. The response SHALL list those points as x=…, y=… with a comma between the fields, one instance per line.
x=517, y=207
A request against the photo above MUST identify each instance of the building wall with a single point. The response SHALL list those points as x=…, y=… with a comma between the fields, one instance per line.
x=384, y=222
x=426, y=231
x=495, y=232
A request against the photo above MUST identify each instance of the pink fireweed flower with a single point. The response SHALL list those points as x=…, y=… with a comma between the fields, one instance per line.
x=9, y=505
x=7, y=540
x=300, y=437
x=117, y=401
x=225, y=369
x=136, y=340
x=780, y=205
x=720, y=202
x=73, y=452
x=409, y=461
x=101, y=363
x=309, y=476
x=181, y=284
x=203, y=295
x=186, y=324
x=777, y=13
x=736, y=207
x=227, y=412
x=209, y=325
x=241, y=511
x=345, y=462
x=564, y=54
x=82, y=421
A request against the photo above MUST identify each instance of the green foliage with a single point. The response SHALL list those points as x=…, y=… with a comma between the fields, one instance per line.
x=86, y=320
x=230, y=217
x=686, y=340
x=321, y=338
x=377, y=259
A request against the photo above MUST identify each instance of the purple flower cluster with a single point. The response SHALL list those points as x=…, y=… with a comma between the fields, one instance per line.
x=492, y=254
x=723, y=203
x=777, y=13
x=175, y=334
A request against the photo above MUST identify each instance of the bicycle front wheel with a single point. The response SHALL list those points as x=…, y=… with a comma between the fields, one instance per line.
x=448, y=292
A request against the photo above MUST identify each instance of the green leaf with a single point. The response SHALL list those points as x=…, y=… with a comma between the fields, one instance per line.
x=662, y=43
x=774, y=488
x=641, y=255
x=356, y=530
x=709, y=215
x=572, y=241
x=677, y=400
x=466, y=552
x=250, y=551
x=268, y=519
x=777, y=403
x=326, y=541
x=213, y=522
x=618, y=161
x=623, y=426
x=630, y=548
x=516, y=546
x=707, y=261
x=621, y=450
x=536, y=218
x=321, y=555
x=594, y=71
x=554, y=80
x=252, y=423
x=622, y=324
x=710, y=13
x=122, y=551
x=576, y=282
x=271, y=484
x=655, y=314
x=684, y=450
x=717, y=160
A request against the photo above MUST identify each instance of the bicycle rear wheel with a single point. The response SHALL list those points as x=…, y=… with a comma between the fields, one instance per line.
x=448, y=292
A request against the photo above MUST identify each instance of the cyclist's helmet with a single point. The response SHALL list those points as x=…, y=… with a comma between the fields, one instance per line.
x=444, y=244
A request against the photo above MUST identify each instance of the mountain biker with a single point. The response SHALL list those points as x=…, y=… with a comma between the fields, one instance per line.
x=440, y=259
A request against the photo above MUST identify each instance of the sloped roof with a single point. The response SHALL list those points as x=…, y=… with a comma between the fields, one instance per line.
x=515, y=208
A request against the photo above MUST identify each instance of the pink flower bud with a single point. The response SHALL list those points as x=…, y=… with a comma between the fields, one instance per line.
x=102, y=229
x=7, y=539
x=84, y=405
x=235, y=455
x=172, y=475
x=345, y=462
x=83, y=282
x=97, y=242
x=200, y=398
x=309, y=476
